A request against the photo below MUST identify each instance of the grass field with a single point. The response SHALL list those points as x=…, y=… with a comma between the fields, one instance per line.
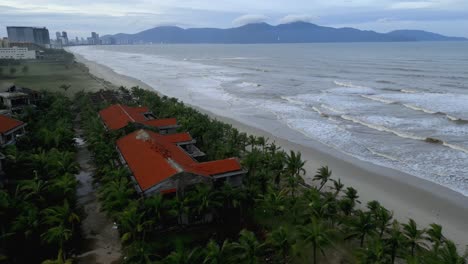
x=50, y=75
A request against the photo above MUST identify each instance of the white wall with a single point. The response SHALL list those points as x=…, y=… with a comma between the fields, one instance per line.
x=17, y=53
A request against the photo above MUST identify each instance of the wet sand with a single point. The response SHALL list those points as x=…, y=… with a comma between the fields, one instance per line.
x=406, y=195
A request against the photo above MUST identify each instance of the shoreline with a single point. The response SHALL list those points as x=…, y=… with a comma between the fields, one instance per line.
x=406, y=195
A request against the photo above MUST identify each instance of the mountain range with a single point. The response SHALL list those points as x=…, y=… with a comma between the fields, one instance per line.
x=297, y=32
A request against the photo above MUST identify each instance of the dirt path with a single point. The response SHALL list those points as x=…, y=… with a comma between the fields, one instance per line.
x=101, y=239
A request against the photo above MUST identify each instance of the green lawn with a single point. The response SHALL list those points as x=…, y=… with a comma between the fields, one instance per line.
x=50, y=75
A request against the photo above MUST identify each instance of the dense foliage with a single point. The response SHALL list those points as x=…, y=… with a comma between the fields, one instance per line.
x=274, y=218
x=38, y=214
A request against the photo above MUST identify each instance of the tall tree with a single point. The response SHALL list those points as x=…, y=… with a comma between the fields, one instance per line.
x=414, y=236
x=318, y=234
x=247, y=247
x=361, y=226
x=281, y=242
x=323, y=175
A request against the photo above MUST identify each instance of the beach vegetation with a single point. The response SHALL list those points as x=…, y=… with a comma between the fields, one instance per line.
x=275, y=218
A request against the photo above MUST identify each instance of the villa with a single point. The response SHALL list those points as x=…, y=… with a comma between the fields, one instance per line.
x=14, y=98
x=159, y=164
x=118, y=116
x=10, y=129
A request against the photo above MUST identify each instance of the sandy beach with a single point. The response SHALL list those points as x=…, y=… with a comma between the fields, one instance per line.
x=407, y=196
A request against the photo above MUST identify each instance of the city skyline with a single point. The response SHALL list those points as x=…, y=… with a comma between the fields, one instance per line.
x=448, y=17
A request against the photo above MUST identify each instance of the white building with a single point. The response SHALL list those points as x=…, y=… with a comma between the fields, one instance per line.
x=17, y=53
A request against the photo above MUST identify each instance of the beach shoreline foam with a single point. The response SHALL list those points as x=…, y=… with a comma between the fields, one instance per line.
x=406, y=195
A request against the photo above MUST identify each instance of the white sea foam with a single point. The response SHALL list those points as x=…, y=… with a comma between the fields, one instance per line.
x=455, y=106
x=356, y=120
x=348, y=84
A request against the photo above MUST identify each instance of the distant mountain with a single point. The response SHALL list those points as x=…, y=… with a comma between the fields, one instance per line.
x=298, y=32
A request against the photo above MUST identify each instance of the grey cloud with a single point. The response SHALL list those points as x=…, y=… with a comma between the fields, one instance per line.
x=249, y=18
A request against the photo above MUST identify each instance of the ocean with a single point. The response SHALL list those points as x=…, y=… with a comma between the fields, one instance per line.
x=397, y=105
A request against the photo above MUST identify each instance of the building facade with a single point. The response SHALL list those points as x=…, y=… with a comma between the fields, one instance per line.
x=10, y=129
x=35, y=35
x=17, y=53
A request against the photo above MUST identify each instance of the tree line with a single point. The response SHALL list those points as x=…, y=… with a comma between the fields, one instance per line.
x=274, y=218
x=39, y=218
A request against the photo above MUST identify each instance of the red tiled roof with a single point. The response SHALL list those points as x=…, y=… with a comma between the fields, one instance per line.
x=7, y=123
x=178, y=138
x=153, y=158
x=216, y=167
x=161, y=122
x=118, y=116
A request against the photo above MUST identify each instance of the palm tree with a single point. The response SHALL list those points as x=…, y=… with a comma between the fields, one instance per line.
x=28, y=220
x=61, y=215
x=414, y=236
x=183, y=256
x=156, y=207
x=448, y=254
x=361, y=226
x=281, y=243
x=337, y=186
x=294, y=164
x=351, y=194
x=25, y=69
x=383, y=219
x=435, y=236
x=203, y=197
x=215, y=254
x=318, y=234
x=65, y=87
x=323, y=175
x=394, y=240
x=274, y=201
x=132, y=224
x=33, y=190
x=248, y=248
x=181, y=206
x=139, y=252
x=374, y=253
x=58, y=235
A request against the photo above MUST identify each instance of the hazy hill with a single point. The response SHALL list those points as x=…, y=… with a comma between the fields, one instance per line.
x=298, y=32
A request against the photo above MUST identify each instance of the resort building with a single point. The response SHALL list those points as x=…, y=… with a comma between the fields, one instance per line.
x=160, y=164
x=15, y=98
x=17, y=53
x=10, y=129
x=119, y=116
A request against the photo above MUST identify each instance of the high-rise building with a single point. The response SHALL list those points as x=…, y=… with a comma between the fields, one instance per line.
x=94, y=40
x=4, y=43
x=65, y=38
x=34, y=35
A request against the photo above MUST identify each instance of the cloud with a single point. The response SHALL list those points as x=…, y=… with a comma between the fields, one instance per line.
x=413, y=5
x=249, y=19
x=296, y=18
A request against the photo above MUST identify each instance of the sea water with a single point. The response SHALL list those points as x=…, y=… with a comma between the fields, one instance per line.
x=399, y=105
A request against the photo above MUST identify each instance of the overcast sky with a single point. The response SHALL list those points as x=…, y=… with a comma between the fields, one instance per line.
x=80, y=17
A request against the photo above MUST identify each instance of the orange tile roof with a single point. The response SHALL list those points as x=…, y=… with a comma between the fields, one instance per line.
x=216, y=167
x=178, y=137
x=7, y=123
x=161, y=122
x=118, y=116
x=153, y=158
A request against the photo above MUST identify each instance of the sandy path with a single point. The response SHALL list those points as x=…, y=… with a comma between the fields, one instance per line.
x=101, y=240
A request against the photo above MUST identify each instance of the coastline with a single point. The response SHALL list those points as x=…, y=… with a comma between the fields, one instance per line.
x=406, y=195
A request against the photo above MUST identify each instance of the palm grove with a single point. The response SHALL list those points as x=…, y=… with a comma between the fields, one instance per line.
x=274, y=218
